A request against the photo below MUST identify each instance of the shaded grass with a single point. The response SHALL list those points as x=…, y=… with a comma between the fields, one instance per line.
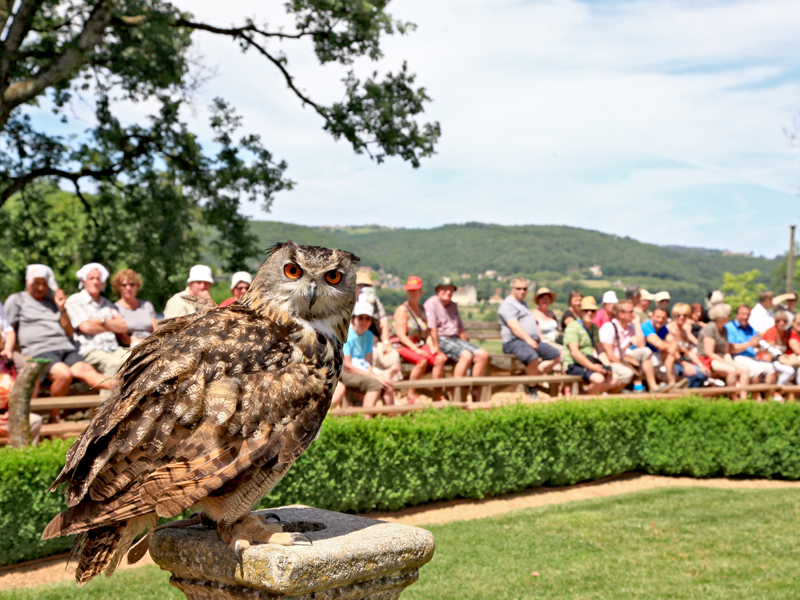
x=674, y=543
x=141, y=583
x=695, y=543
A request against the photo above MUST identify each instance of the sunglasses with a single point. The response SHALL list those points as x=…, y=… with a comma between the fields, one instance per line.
x=518, y=288
x=590, y=310
x=128, y=285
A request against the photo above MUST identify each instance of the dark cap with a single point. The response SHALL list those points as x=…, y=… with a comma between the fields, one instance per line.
x=445, y=282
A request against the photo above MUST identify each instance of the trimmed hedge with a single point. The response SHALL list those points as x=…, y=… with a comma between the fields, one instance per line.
x=387, y=464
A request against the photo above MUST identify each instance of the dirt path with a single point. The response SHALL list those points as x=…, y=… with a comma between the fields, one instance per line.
x=53, y=570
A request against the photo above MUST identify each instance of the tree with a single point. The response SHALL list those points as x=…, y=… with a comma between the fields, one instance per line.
x=742, y=289
x=153, y=181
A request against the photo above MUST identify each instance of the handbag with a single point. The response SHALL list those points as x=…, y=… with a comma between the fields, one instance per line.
x=790, y=360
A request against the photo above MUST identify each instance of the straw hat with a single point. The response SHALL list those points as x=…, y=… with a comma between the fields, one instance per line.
x=588, y=303
x=661, y=296
x=645, y=295
x=363, y=278
x=542, y=291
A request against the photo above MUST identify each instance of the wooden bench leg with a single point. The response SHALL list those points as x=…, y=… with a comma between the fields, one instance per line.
x=457, y=395
x=486, y=393
x=576, y=389
x=555, y=390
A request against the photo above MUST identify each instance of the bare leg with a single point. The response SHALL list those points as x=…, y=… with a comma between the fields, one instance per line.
x=94, y=379
x=649, y=374
x=548, y=365
x=669, y=365
x=370, y=399
x=417, y=372
x=460, y=370
x=437, y=373
x=338, y=395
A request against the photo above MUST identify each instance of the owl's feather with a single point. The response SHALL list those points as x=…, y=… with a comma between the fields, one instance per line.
x=212, y=409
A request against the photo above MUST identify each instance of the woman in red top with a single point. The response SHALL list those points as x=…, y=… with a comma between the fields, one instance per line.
x=783, y=337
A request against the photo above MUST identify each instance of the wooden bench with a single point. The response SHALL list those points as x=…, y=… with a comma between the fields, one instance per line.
x=43, y=405
x=554, y=383
x=63, y=430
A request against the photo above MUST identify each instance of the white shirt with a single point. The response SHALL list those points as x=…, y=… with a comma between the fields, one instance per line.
x=761, y=319
x=625, y=336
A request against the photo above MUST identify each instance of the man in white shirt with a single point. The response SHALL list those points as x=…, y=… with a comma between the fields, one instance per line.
x=762, y=317
x=619, y=336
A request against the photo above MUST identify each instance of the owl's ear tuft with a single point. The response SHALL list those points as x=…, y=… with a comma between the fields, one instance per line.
x=353, y=257
x=277, y=246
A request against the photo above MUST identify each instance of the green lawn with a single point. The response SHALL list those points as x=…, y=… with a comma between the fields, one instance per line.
x=675, y=543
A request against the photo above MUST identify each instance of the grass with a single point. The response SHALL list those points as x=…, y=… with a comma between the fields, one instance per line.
x=150, y=583
x=674, y=543
x=694, y=543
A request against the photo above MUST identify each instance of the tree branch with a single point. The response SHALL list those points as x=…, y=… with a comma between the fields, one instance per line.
x=238, y=31
x=20, y=26
x=70, y=60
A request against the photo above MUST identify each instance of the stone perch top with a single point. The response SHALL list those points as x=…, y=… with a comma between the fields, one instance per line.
x=364, y=556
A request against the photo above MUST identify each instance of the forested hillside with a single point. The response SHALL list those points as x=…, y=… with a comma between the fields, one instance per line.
x=556, y=255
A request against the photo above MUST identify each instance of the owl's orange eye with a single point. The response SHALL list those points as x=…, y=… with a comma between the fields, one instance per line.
x=292, y=271
x=333, y=277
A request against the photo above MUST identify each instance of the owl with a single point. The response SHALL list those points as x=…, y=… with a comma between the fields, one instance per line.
x=210, y=412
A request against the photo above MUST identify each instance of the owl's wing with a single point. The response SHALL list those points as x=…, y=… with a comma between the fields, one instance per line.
x=191, y=414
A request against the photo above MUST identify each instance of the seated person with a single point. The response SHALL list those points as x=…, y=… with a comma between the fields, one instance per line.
x=384, y=353
x=240, y=283
x=42, y=329
x=761, y=316
x=520, y=334
x=605, y=314
x=787, y=363
x=688, y=362
x=358, y=372
x=585, y=355
x=662, y=343
x=545, y=318
x=573, y=308
x=623, y=342
x=411, y=332
x=96, y=322
x=447, y=333
x=662, y=300
x=199, y=282
x=696, y=321
x=138, y=314
x=642, y=310
x=744, y=341
x=787, y=303
x=713, y=349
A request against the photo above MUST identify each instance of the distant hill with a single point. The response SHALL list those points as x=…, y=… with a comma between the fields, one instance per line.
x=558, y=256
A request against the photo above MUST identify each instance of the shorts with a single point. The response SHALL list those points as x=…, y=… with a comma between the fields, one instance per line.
x=108, y=363
x=452, y=347
x=580, y=371
x=756, y=367
x=527, y=354
x=362, y=383
x=409, y=355
x=68, y=357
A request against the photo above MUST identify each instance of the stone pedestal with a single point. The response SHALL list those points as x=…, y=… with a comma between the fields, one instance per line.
x=350, y=558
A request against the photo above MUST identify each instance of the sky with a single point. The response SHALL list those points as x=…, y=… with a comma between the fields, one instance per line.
x=665, y=121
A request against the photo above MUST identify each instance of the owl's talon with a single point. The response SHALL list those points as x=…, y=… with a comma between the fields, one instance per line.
x=270, y=515
x=238, y=550
x=300, y=537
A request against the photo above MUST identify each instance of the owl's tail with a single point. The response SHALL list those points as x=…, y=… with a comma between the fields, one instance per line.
x=102, y=548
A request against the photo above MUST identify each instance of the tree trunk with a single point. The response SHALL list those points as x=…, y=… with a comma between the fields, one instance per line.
x=19, y=403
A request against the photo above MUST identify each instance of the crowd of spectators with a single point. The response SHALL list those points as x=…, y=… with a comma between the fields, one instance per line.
x=623, y=344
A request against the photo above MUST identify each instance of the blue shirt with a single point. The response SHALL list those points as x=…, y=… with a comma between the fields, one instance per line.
x=648, y=329
x=739, y=335
x=358, y=346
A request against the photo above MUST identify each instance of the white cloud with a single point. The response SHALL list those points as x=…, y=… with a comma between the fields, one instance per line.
x=659, y=120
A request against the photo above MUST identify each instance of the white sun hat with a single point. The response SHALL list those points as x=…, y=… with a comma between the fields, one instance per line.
x=200, y=273
x=610, y=297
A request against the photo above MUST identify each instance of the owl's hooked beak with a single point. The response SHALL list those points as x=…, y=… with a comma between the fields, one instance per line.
x=311, y=296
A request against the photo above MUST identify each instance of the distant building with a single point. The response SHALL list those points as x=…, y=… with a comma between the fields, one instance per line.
x=466, y=296
x=491, y=274
x=596, y=271
x=466, y=276
x=497, y=298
